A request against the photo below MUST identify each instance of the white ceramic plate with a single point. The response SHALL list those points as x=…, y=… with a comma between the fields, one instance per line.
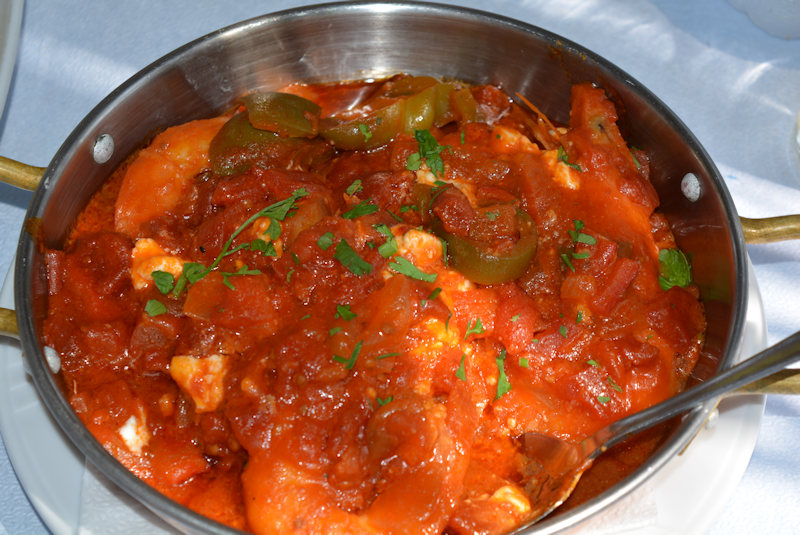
x=10, y=23
x=685, y=497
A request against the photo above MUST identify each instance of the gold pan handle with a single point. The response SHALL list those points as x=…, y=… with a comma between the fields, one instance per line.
x=19, y=174
x=771, y=229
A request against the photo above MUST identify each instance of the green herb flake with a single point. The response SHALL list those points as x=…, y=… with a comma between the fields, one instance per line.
x=562, y=330
x=503, y=385
x=364, y=129
x=673, y=269
x=289, y=275
x=461, y=372
x=155, y=308
x=395, y=216
x=383, y=402
x=580, y=256
x=361, y=209
x=350, y=259
x=305, y=317
x=434, y=294
x=244, y=270
x=444, y=250
x=463, y=136
x=592, y=362
x=523, y=362
x=349, y=363
x=603, y=399
x=164, y=281
x=429, y=151
x=403, y=266
x=579, y=317
x=388, y=248
x=613, y=384
x=325, y=241
x=474, y=328
x=567, y=261
x=386, y=356
x=562, y=157
x=193, y=272
x=354, y=188
x=344, y=312
x=514, y=318
x=334, y=331
x=491, y=216
x=273, y=230
x=265, y=248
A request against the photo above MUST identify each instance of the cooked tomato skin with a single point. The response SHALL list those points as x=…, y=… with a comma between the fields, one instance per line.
x=348, y=391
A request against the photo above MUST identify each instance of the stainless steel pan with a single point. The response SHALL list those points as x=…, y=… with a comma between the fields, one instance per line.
x=362, y=40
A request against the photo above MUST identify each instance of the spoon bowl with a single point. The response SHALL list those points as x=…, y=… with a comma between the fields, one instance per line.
x=554, y=466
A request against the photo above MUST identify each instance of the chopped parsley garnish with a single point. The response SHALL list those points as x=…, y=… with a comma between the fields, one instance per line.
x=562, y=157
x=603, y=399
x=389, y=248
x=434, y=294
x=325, y=241
x=475, y=328
x=592, y=362
x=383, y=402
x=673, y=269
x=353, y=188
x=273, y=230
x=613, y=384
x=581, y=237
x=395, y=216
x=289, y=275
x=514, y=318
x=241, y=271
x=429, y=152
x=567, y=261
x=387, y=355
x=461, y=372
x=444, y=250
x=562, y=330
x=579, y=317
x=403, y=266
x=163, y=281
x=503, y=385
x=523, y=362
x=436, y=191
x=334, y=331
x=349, y=363
x=266, y=248
x=344, y=312
x=305, y=317
x=350, y=259
x=155, y=307
x=193, y=271
x=364, y=129
x=362, y=208
x=491, y=216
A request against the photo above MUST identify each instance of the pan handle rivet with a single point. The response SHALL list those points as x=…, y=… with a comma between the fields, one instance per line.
x=103, y=148
x=691, y=188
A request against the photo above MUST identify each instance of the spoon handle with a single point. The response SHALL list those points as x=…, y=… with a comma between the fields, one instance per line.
x=760, y=366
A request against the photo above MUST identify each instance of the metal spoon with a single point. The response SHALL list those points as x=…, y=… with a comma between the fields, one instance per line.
x=555, y=465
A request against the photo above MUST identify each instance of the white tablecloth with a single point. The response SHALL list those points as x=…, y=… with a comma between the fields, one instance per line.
x=736, y=87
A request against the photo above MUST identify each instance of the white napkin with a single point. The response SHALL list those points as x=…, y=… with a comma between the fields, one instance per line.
x=108, y=510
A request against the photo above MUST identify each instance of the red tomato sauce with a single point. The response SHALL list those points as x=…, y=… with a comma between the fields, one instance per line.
x=347, y=328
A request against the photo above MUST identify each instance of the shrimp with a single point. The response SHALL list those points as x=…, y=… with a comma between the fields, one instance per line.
x=421, y=446
x=161, y=174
